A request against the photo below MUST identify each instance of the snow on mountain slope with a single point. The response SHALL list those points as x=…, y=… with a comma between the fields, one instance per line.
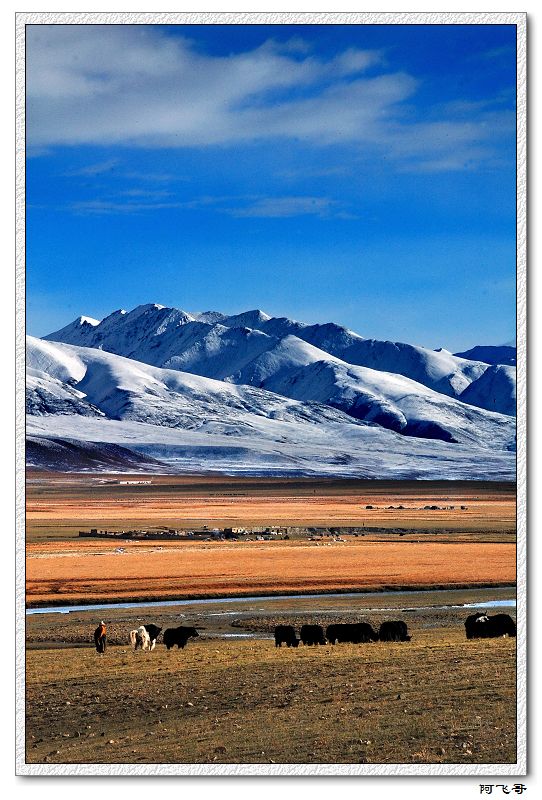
x=81, y=330
x=170, y=338
x=122, y=388
x=50, y=382
x=394, y=402
x=329, y=336
x=216, y=351
x=494, y=389
x=210, y=317
x=282, y=448
x=438, y=369
x=248, y=319
x=47, y=395
x=225, y=348
x=296, y=369
x=279, y=360
x=192, y=423
x=127, y=333
x=127, y=389
x=492, y=354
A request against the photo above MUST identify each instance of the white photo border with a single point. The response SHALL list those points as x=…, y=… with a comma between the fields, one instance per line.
x=519, y=768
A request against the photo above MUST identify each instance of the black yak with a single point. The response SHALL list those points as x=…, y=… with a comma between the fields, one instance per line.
x=395, y=631
x=312, y=634
x=354, y=632
x=482, y=626
x=178, y=636
x=286, y=634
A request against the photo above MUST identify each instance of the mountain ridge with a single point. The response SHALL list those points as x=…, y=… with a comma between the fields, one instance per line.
x=101, y=408
x=232, y=347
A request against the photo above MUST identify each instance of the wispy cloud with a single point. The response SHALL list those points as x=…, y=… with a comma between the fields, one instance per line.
x=155, y=194
x=280, y=207
x=241, y=206
x=91, y=170
x=153, y=177
x=103, y=207
x=495, y=53
x=137, y=86
x=315, y=172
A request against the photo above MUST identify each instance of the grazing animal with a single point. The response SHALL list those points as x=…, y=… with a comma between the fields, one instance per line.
x=394, y=632
x=154, y=632
x=312, y=634
x=100, y=638
x=140, y=638
x=286, y=634
x=354, y=632
x=482, y=626
x=178, y=636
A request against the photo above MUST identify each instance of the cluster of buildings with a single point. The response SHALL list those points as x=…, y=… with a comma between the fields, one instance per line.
x=203, y=534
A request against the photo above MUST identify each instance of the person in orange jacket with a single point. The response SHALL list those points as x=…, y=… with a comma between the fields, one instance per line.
x=100, y=637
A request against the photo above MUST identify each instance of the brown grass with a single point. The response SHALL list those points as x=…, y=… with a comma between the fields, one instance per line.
x=92, y=570
x=60, y=505
x=437, y=699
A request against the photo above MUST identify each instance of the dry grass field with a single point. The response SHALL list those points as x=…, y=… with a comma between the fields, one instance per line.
x=58, y=506
x=94, y=571
x=436, y=699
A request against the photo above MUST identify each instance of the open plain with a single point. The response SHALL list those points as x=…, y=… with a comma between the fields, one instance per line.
x=417, y=533
x=100, y=571
x=436, y=699
x=231, y=696
x=59, y=505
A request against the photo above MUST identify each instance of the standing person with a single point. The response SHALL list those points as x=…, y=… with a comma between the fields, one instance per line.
x=100, y=637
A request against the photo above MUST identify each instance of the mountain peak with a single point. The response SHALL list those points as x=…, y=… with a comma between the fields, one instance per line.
x=247, y=319
x=89, y=321
x=80, y=328
x=491, y=354
x=243, y=348
x=210, y=317
x=146, y=307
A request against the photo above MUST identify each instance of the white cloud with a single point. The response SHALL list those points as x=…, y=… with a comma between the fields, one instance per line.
x=137, y=201
x=137, y=86
x=127, y=84
x=92, y=170
x=280, y=207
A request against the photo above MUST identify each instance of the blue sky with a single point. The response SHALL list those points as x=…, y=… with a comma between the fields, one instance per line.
x=363, y=174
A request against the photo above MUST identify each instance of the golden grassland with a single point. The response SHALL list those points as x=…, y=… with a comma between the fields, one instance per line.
x=436, y=699
x=58, y=506
x=94, y=570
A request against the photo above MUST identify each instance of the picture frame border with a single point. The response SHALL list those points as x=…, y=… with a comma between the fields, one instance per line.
x=519, y=768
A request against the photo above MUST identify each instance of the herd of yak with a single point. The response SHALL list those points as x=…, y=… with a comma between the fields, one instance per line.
x=477, y=626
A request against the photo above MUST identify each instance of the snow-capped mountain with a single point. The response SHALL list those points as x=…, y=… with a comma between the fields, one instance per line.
x=492, y=354
x=120, y=388
x=254, y=393
x=106, y=409
x=235, y=349
x=492, y=388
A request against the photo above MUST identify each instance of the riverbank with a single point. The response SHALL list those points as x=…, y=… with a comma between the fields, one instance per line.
x=257, y=616
x=66, y=575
